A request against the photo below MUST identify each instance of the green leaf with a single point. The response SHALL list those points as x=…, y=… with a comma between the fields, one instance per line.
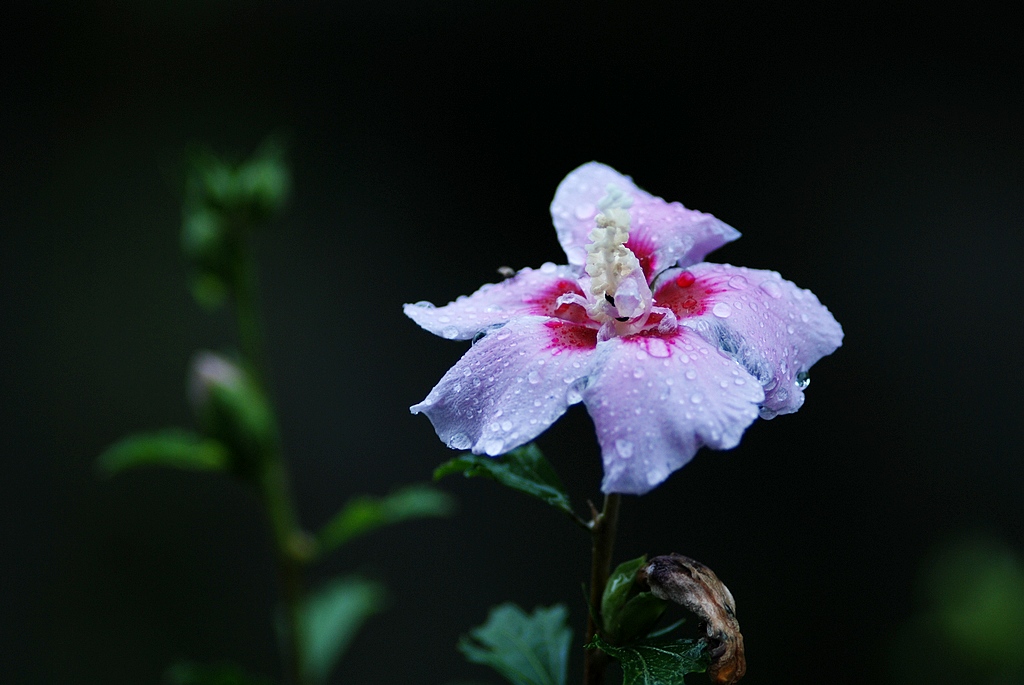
x=332, y=617
x=657, y=662
x=638, y=616
x=526, y=650
x=524, y=469
x=621, y=584
x=186, y=673
x=366, y=513
x=172, y=447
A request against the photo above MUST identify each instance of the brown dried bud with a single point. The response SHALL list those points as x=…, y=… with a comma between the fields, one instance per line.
x=693, y=585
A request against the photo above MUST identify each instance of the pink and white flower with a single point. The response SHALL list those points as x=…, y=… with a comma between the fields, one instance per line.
x=668, y=352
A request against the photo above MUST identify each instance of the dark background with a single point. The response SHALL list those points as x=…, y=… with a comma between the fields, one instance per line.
x=870, y=153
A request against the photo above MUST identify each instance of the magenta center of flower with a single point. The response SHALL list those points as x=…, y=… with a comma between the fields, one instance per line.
x=686, y=295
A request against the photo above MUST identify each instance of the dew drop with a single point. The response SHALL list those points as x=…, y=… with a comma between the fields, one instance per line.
x=624, y=448
x=685, y=279
x=696, y=398
x=533, y=377
x=803, y=379
x=506, y=425
x=450, y=332
x=737, y=283
x=493, y=447
x=721, y=310
x=585, y=211
x=772, y=288
x=638, y=373
x=691, y=374
x=459, y=441
x=548, y=268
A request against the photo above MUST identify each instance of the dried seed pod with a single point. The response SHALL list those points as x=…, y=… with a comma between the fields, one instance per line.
x=693, y=585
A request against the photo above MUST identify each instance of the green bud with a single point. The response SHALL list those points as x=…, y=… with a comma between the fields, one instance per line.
x=232, y=408
x=205, y=239
x=264, y=184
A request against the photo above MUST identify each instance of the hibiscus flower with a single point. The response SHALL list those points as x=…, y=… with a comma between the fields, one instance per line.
x=667, y=352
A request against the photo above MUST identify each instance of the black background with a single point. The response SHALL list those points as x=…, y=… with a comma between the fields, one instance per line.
x=870, y=153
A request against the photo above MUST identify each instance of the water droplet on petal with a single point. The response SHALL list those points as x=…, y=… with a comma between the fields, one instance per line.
x=585, y=211
x=803, y=379
x=691, y=374
x=685, y=279
x=721, y=310
x=737, y=282
x=506, y=425
x=533, y=377
x=624, y=448
x=772, y=288
x=493, y=447
x=638, y=373
x=459, y=441
x=450, y=332
x=696, y=398
x=548, y=268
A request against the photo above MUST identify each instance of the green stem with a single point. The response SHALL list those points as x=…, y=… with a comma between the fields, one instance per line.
x=292, y=546
x=247, y=313
x=602, y=531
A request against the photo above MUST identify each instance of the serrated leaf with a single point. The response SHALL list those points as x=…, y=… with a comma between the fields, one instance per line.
x=524, y=469
x=332, y=617
x=186, y=673
x=175, y=448
x=525, y=650
x=366, y=513
x=657, y=662
x=621, y=583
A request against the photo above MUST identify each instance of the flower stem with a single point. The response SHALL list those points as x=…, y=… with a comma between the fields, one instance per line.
x=293, y=547
x=602, y=531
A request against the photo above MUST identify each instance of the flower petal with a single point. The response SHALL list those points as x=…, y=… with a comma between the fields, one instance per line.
x=662, y=235
x=772, y=328
x=656, y=399
x=511, y=385
x=531, y=291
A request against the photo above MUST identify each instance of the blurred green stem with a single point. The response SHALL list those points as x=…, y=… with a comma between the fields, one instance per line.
x=293, y=546
x=602, y=531
x=247, y=312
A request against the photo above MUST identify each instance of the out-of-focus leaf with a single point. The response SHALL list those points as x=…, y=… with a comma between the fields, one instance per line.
x=186, y=673
x=332, y=617
x=524, y=469
x=172, y=447
x=366, y=513
x=208, y=290
x=657, y=662
x=526, y=650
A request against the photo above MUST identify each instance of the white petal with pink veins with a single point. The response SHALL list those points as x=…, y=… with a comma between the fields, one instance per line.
x=531, y=291
x=771, y=327
x=511, y=385
x=655, y=400
x=662, y=234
